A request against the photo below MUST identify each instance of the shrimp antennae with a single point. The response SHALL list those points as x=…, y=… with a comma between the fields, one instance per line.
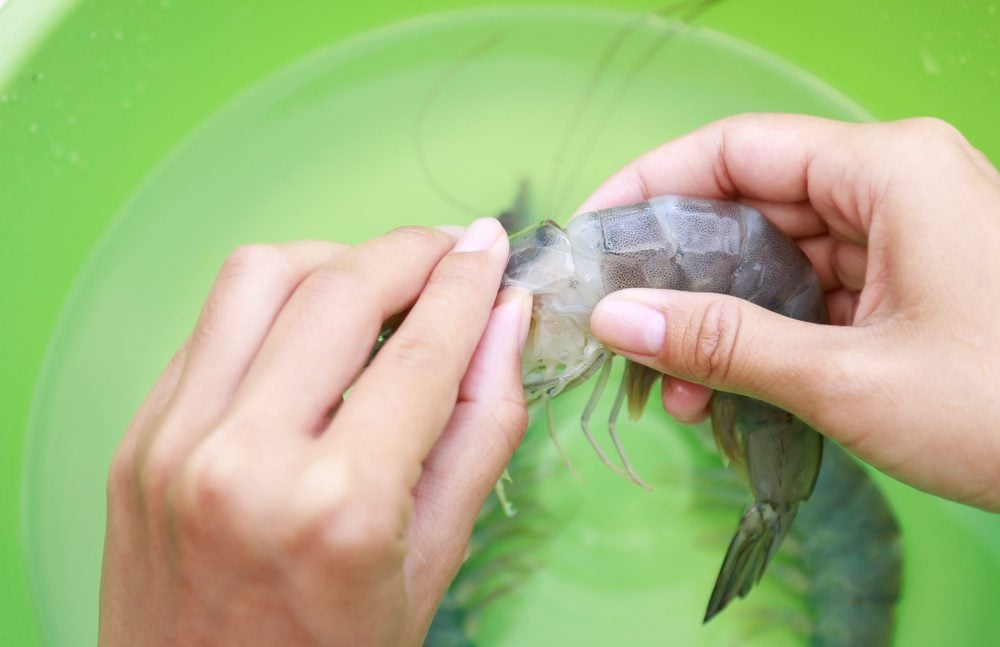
x=580, y=106
x=420, y=124
x=561, y=190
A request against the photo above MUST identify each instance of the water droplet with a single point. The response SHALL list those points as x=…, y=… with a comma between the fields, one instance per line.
x=33, y=128
x=36, y=77
x=127, y=103
x=931, y=65
x=93, y=35
x=165, y=4
x=119, y=35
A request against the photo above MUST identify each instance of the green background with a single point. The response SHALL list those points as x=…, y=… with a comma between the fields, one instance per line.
x=93, y=95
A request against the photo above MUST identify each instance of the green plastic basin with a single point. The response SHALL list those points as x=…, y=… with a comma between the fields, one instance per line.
x=140, y=140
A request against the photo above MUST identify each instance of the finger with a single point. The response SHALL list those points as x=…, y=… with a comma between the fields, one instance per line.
x=838, y=264
x=162, y=390
x=766, y=157
x=420, y=367
x=842, y=306
x=725, y=343
x=487, y=425
x=685, y=401
x=851, y=264
x=325, y=333
x=131, y=454
x=794, y=219
x=249, y=291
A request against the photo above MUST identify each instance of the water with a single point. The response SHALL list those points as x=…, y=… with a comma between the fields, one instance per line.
x=339, y=146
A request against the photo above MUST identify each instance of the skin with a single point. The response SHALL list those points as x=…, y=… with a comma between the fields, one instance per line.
x=901, y=221
x=251, y=503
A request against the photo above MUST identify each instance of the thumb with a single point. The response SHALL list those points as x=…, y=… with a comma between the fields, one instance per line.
x=722, y=342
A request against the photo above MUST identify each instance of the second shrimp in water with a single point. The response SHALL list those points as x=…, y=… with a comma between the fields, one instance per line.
x=678, y=243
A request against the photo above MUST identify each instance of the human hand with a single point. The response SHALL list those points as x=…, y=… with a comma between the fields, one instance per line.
x=901, y=221
x=251, y=503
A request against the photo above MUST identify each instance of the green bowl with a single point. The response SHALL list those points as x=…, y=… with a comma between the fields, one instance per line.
x=141, y=140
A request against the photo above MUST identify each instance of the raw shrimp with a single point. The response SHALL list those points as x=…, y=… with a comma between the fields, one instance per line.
x=678, y=243
x=843, y=554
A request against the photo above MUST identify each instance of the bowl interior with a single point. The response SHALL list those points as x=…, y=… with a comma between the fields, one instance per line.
x=148, y=139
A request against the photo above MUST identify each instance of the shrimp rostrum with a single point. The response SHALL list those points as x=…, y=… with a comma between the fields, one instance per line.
x=678, y=243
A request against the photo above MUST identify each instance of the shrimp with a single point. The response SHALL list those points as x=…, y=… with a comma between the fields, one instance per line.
x=843, y=553
x=847, y=543
x=679, y=243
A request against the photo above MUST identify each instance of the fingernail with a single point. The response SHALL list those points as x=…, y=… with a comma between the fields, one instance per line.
x=480, y=235
x=629, y=326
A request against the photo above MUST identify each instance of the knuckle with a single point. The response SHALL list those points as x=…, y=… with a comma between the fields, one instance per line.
x=333, y=287
x=462, y=284
x=318, y=250
x=210, y=486
x=934, y=127
x=122, y=471
x=461, y=271
x=715, y=332
x=516, y=416
x=916, y=138
x=362, y=535
x=421, y=349
x=154, y=471
x=335, y=281
x=253, y=259
x=246, y=267
x=510, y=416
x=424, y=236
x=350, y=526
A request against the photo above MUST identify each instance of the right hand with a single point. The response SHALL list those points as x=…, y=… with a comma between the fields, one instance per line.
x=902, y=223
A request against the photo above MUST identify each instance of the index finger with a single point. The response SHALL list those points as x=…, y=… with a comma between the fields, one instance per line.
x=766, y=157
x=399, y=406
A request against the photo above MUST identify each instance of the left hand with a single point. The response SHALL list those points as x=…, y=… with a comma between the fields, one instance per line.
x=250, y=502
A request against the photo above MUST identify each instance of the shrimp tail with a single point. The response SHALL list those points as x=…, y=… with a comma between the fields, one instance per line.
x=760, y=533
x=780, y=457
